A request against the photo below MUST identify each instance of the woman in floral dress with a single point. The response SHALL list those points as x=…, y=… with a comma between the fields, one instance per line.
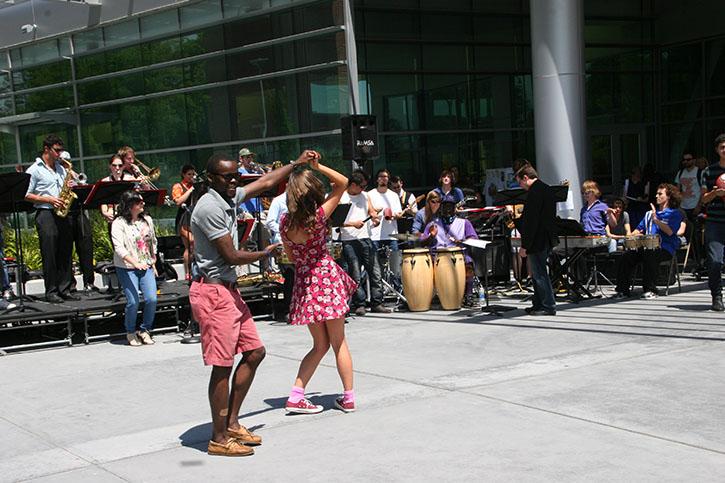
x=322, y=289
x=134, y=256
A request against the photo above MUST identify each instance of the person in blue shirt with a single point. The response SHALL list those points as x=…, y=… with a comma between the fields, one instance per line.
x=428, y=213
x=593, y=215
x=665, y=222
x=447, y=190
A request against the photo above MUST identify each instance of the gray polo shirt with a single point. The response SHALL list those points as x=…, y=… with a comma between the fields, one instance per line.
x=212, y=218
x=44, y=181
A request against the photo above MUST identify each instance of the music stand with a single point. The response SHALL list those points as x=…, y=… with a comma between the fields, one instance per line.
x=479, y=251
x=153, y=197
x=338, y=217
x=106, y=193
x=13, y=187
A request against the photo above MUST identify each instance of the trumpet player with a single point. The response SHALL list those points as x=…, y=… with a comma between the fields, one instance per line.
x=82, y=236
x=128, y=156
x=47, y=178
x=181, y=194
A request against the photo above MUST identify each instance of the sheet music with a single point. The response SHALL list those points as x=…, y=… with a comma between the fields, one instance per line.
x=472, y=242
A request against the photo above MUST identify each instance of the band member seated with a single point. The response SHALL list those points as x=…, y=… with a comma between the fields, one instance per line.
x=593, y=215
x=618, y=227
x=449, y=231
x=48, y=176
x=357, y=246
x=663, y=221
x=181, y=194
x=428, y=213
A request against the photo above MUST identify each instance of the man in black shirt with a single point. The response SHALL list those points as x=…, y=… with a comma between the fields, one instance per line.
x=538, y=236
x=713, y=197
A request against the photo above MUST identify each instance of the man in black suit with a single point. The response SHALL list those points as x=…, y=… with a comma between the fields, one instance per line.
x=538, y=236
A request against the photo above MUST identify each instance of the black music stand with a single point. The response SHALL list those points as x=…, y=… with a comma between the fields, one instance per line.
x=339, y=215
x=13, y=187
x=153, y=197
x=106, y=193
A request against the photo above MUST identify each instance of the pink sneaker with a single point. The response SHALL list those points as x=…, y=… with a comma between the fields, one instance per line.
x=303, y=406
x=347, y=407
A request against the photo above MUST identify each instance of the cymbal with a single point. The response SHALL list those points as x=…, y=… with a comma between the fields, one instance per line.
x=404, y=237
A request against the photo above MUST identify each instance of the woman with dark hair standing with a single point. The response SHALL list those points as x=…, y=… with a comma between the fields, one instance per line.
x=181, y=194
x=321, y=289
x=134, y=256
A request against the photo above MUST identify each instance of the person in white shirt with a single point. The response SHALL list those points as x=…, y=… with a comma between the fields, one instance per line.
x=688, y=180
x=357, y=246
x=277, y=208
x=387, y=203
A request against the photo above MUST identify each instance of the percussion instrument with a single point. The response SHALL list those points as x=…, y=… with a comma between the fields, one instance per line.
x=650, y=242
x=404, y=237
x=720, y=181
x=574, y=241
x=450, y=277
x=335, y=249
x=418, y=278
x=632, y=243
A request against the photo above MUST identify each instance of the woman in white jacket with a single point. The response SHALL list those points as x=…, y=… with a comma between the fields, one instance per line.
x=134, y=257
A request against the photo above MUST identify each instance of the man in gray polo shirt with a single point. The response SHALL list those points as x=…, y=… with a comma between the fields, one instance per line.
x=226, y=323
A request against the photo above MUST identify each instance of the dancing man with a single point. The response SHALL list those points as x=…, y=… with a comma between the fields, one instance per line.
x=538, y=237
x=713, y=196
x=322, y=288
x=226, y=323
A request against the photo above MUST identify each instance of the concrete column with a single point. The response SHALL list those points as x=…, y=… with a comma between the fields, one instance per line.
x=351, y=58
x=557, y=49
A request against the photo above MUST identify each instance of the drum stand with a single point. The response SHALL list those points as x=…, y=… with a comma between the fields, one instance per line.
x=387, y=274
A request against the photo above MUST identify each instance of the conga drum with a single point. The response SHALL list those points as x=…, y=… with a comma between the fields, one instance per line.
x=450, y=277
x=418, y=279
x=632, y=243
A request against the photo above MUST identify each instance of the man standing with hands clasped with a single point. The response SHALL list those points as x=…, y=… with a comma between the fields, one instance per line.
x=713, y=197
x=226, y=323
x=538, y=236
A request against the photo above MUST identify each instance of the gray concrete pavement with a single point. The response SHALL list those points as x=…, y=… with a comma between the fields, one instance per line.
x=603, y=391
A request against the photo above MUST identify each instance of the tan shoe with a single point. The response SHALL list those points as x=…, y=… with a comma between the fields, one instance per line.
x=145, y=337
x=245, y=436
x=230, y=448
x=133, y=340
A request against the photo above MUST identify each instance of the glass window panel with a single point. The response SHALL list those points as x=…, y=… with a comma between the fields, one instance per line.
x=523, y=101
x=320, y=49
x=237, y=8
x=328, y=98
x=681, y=72
x=491, y=101
x=244, y=32
x=97, y=130
x=133, y=125
x=38, y=53
x=16, y=58
x=121, y=33
x=128, y=85
x=394, y=97
x=42, y=75
x=95, y=91
x=161, y=50
x=446, y=101
x=32, y=135
x=208, y=116
x=159, y=23
x=202, y=41
x=280, y=95
x=5, y=84
x=602, y=168
x=392, y=25
x=681, y=111
x=58, y=98
x=204, y=72
x=6, y=106
x=598, y=30
x=716, y=107
x=4, y=61
x=317, y=15
x=159, y=80
x=715, y=52
x=90, y=65
x=167, y=122
x=64, y=46
x=253, y=62
x=391, y=56
x=404, y=156
x=200, y=13
x=678, y=138
x=445, y=26
x=502, y=58
x=618, y=59
x=501, y=29
x=8, y=151
x=247, y=112
x=445, y=58
x=88, y=40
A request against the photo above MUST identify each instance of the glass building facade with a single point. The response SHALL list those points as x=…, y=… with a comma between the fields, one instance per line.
x=449, y=81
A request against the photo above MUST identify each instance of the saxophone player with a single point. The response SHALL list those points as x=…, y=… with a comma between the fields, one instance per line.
x=47, y=178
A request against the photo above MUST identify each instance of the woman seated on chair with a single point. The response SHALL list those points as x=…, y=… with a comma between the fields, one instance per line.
x=664, y=221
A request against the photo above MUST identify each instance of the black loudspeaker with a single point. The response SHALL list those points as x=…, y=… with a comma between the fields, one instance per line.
x=359, y=137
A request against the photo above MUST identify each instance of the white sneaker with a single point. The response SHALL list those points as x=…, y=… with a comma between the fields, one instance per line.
x=649, y=295
x=145, y=337
x=133, y=340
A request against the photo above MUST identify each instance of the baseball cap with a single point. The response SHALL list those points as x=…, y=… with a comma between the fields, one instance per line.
x=245, y=152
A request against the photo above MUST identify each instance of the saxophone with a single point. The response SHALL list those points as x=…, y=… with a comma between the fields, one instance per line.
x=66, y=193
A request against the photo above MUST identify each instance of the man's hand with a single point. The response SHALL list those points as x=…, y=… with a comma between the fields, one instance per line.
x=375, y=219
x=433, y=231
x=309, y=156
x=654, y=212
x=56, y=202
x=720, y=192
x=522, y=252
x=357, y=224
x=269, y=250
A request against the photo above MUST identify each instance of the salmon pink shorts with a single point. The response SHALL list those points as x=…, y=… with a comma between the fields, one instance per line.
x=226, y=324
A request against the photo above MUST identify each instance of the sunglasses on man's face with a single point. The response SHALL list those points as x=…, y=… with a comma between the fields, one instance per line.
x=227, y=177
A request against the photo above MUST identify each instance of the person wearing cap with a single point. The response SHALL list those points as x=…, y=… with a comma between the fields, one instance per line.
x=82, y=236
x=47, y=175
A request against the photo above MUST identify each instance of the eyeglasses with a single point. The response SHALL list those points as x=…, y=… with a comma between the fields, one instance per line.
x=57, y=150
x=227, y=177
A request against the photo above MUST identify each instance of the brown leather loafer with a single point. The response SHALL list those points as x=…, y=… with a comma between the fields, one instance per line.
x=244, y=436
x=230, y=448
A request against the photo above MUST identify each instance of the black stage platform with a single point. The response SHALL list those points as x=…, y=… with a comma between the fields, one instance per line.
x=100, y=316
